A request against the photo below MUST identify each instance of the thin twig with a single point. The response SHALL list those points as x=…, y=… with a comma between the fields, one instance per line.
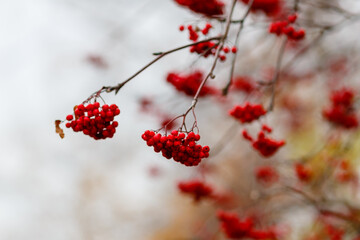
x=160, y=55
x=277, y=74
x=241, y=26
x=221, y=44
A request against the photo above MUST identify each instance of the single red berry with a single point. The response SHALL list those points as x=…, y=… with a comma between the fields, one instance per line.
x=81, y=107
x=292, y=18
x=181, y=28
x=105, y=108
x=69, y=117
x=109, y=114
x=233, y=49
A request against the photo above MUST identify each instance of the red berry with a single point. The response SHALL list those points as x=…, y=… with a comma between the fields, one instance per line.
x=233, y=49
x=96, y=105
x=292, y=18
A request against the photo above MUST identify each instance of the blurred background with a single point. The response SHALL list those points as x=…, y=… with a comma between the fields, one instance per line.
x=55, y=53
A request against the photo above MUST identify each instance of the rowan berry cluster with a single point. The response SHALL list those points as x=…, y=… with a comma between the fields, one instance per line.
x=208, y=48
x=94, y=120
x=284, y=27
x=335, y=233
x=190, y=83
x=244, y=84
x=196, y=188
x=181, y=146
x=207, y=7
x=193, y=31
x=303, y=172
x=266, y=146
x=344, y=172
x=269, y=7
x=236, y=228
x=266, y=175
x=248, y=112
x=341, y=112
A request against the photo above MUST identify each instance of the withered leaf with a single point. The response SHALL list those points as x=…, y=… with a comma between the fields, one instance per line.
x=58, y=129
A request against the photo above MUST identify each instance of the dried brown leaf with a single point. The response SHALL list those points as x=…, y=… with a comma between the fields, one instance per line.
x=58, y=129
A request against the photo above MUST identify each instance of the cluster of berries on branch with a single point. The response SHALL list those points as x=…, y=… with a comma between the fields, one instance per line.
x=234, y=227
x=196, y=188
x=263, y=144
x=209, y=8
x=248, y=112
x=284, y=27
x=341, y=112
x=181, y=147
x=266, y=175
x=190, y=83
x=303, y=172
x=244, y=84
x=269, y=7
x=207, y=48
x=94, y=120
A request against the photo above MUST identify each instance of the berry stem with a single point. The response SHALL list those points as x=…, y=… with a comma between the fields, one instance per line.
x=221, y=44
x=211, y=72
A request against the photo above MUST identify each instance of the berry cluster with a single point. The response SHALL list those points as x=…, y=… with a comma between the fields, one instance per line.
x=248, y=112
x=344, y=172
x=266, y=175
x=196, y=188
x=342, y=112
x=303, y=172
x=189, y=84
x=208, y=48
x=269, y=7
x=334, y=233
x=266, y=146
x=193, y=31
x=204, y=49
x=93, y=120
x=243, y=83
x=284, y=27
x=207, y=7
x=179, y=146
x=236, y=228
